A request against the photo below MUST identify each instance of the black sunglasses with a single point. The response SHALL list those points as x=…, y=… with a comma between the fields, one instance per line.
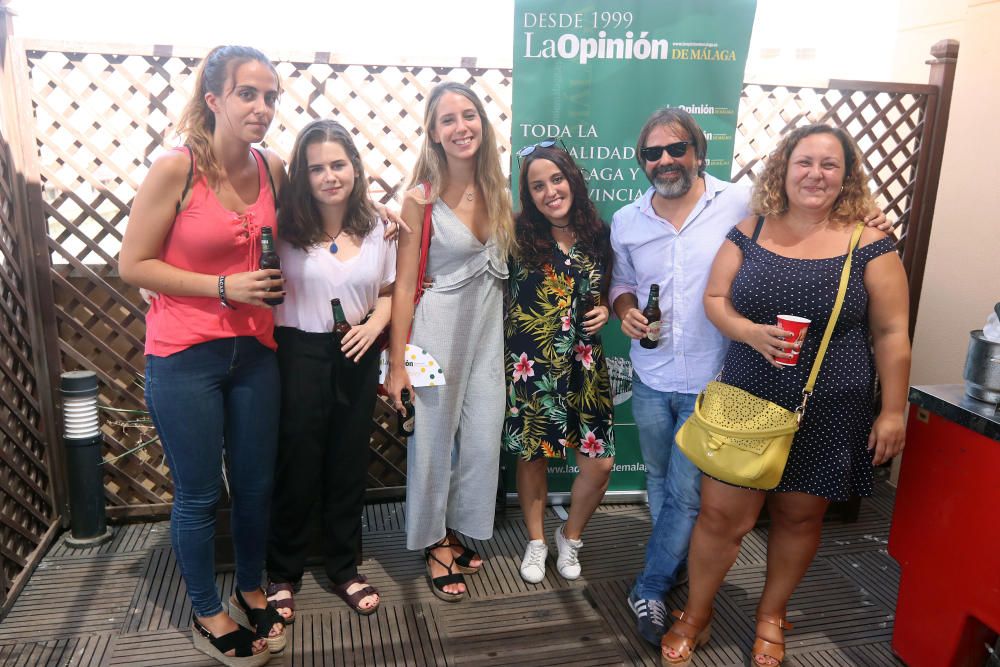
x=654, y=153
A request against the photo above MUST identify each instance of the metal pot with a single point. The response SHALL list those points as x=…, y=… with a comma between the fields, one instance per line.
x=982, y=368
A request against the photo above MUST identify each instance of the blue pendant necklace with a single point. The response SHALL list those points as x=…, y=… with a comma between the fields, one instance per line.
x=333, y=241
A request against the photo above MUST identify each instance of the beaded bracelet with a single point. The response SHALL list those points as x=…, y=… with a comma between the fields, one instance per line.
x=222, y=294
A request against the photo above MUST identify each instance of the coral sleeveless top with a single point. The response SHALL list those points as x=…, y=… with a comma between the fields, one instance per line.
x=208, y=238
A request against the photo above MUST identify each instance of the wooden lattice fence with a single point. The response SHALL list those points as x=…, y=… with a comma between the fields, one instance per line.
x=29, y=477
x=26, y=508
x=101, y=115
x=102, y=118
x=888, y=126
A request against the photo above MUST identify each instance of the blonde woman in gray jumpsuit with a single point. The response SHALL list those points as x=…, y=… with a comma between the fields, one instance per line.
x=453, y=456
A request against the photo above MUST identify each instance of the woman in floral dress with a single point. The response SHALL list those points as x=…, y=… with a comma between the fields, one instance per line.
x=558, y=391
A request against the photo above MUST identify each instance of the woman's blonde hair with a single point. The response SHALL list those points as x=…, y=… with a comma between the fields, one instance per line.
x=197, y=121
x=852, y=204
x=432, y=165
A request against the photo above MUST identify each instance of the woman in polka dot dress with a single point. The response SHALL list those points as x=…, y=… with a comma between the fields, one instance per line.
x=787, y=260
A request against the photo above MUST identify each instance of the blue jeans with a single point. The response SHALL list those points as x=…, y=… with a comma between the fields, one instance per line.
x=673, y=485
x=215, y=397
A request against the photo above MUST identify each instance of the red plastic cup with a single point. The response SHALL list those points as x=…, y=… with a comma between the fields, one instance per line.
x=798, y=326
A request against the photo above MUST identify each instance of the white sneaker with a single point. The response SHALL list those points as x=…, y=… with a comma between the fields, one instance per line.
x=568, y=561
x=533, y=564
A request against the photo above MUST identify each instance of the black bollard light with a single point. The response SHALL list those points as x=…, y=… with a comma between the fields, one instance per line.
x=82, y=440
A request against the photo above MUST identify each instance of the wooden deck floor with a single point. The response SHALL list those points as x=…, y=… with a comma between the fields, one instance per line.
x=124, y=603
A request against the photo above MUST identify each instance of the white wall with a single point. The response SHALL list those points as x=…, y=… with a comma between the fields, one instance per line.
x=920, y=24
x=808, y=42
x=962, y=277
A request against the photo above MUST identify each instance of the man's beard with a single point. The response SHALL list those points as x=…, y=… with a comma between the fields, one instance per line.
x=672, y=189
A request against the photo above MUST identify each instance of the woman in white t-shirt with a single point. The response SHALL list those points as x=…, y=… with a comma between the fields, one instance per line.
x=330, y=247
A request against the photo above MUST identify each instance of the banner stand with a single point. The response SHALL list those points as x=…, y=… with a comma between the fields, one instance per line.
x=589, y=75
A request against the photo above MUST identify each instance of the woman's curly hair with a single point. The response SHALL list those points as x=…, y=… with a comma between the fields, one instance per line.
x=852, y=204
x=535, y=245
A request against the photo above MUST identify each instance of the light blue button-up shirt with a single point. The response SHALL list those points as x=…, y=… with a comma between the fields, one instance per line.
x=649, y=250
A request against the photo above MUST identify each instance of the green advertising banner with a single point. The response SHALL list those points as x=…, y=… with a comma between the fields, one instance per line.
x=589, y=74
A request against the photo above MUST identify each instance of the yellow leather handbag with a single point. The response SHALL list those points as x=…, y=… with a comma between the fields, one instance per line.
x=743, y=439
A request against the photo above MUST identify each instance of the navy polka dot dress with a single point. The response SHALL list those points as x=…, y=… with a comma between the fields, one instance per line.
x=829, y=455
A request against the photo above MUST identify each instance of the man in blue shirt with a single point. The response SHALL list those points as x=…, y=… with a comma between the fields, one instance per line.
x=669, y=237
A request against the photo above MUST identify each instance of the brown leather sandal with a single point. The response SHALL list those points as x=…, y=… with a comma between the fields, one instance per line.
x=682, y=643
x=272, y=589
x=354, y=599
x=763, y=648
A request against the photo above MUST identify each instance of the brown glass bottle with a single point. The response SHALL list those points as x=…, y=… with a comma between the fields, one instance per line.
x=652, y=314
x=269, y=260
x=340, y=324
x=586, y=303
x=406, y=419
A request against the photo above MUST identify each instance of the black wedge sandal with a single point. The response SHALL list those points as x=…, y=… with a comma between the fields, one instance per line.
x=260, y=620
x=465, y=558
x=438, y=583
x=239, y=641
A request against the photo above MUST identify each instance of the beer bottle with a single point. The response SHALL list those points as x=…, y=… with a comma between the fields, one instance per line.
x=652, y=314
x=340, y=324
x=406, y=420
x=269, y=260
x=586, y=303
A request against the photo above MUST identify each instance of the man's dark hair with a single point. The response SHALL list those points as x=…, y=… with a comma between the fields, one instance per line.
x=682, y=120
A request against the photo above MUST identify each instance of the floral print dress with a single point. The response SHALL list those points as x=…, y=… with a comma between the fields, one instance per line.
x=558, y=391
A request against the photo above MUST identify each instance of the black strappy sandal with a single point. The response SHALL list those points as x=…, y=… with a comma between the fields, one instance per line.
x=239, y=641
x=464, y=559
x=438, y=583
x=260, y=620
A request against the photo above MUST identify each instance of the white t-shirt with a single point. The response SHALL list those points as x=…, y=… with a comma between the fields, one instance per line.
x=314, y=276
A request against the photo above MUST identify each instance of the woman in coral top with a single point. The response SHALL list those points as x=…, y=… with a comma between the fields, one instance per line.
x=212, y=385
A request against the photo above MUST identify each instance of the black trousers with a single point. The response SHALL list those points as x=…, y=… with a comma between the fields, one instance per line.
x=326, y=421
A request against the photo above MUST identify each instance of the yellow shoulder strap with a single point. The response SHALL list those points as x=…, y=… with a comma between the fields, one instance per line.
x=845, y=275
